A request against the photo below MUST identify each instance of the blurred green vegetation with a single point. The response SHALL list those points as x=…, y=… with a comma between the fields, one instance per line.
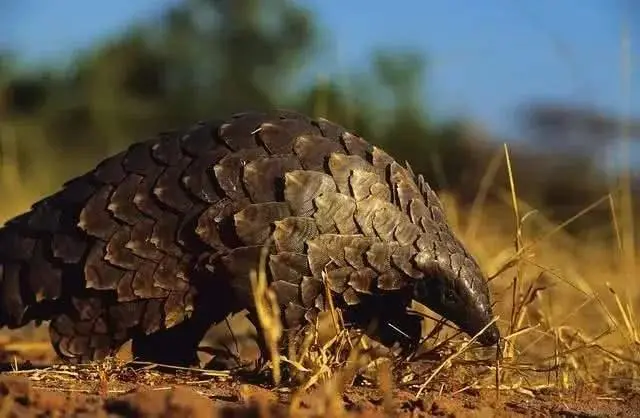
x=208, y=58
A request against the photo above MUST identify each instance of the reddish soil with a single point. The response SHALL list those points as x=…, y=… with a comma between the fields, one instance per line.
x=105, y=391
x=168, y=397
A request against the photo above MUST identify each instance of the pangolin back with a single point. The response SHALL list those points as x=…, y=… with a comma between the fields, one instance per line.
x=168, y=231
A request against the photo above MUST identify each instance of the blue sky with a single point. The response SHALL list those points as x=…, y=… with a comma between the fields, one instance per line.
x=486, y=56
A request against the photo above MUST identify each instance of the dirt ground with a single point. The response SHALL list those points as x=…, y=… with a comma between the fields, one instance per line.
x=149, y=394
x=31, y=385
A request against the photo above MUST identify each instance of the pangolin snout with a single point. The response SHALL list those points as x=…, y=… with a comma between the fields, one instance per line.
x=472, y=317
x=461, y=295
x=490, y=336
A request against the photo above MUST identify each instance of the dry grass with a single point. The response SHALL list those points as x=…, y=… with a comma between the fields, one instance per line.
x=566, y=307
x=569, y=322
x=569, y=302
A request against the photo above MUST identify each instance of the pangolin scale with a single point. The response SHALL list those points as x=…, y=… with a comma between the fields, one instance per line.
x=162, y=237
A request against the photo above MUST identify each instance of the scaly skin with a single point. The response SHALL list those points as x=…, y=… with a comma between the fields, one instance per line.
x=158, y=241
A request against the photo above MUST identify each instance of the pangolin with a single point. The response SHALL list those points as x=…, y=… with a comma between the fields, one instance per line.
x=160, y=239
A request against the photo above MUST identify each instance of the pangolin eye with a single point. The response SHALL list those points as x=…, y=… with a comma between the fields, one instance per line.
x=449, y=296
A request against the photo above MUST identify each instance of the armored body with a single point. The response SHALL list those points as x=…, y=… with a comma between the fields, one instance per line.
x=161, y=238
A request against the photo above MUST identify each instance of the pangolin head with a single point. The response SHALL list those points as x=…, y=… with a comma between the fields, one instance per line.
x=455, y=288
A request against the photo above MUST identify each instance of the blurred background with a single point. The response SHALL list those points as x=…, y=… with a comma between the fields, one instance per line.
x=441, y=83
x=444, y=84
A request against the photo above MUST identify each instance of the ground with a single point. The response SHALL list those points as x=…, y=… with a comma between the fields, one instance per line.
x=32, y=384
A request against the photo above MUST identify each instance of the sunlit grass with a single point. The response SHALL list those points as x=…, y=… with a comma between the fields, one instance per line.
x=553, y=267
x=558, y=299
x=565, y=305
x=561, y=296
x=19, y=192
